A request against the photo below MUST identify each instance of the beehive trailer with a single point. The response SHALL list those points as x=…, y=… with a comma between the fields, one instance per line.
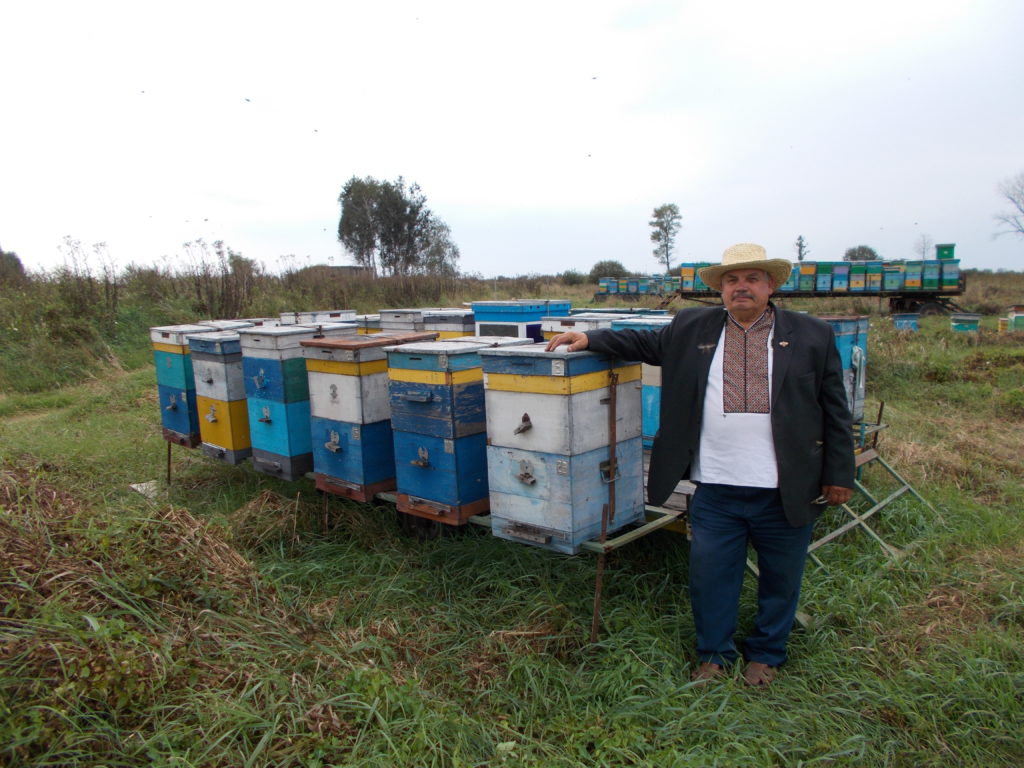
x=923, y=302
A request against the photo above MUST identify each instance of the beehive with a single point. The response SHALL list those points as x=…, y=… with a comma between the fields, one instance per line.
x=950, y=279
x=808, y=273
x=350, y=413
x=220, y=396
x=912, y=275
x=277, y=393
x=964, y=322
x=851, y=342
x=858, y=277
x=549, y=468
x=318, y=317
x=176, y=385
x=1015, y=318
x=404, y=320
x=583, y=321
x=367, y=324
x=893, y=275
x=449, y=323
x=873, y=275
x=650, y=377
x=823, y=277
x=906, y=321
x=840, y=278
x=437, y=416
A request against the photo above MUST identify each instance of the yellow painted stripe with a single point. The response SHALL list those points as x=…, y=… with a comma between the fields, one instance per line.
x=346, y=368
x=174, y=349
x=559, y=385
x=548, y=335
x=446, y=378
x=452, y=334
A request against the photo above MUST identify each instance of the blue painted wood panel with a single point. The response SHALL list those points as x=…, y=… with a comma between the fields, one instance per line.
x=281, y=380
x=356, y=453
x=178, y=409
x=435, y=356
x=448, y=471
x=216, y=344
x=173, y=370
x=281, y=428
x=440, y=410
x=651, y=398
x=531, y=361
x=519, y=309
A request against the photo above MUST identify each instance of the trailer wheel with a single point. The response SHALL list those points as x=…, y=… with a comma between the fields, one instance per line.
x=931, y=308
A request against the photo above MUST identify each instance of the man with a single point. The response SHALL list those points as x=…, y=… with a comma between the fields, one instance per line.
x=754, y=412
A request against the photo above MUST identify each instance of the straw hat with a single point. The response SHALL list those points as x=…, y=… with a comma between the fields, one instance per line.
x=746, y=256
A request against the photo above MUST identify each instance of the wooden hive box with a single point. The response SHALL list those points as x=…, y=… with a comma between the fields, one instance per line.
x=549, y=468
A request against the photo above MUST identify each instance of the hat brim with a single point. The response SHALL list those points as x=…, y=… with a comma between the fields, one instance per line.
x=778, y=269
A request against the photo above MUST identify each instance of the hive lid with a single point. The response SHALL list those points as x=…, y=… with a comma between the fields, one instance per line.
x=175, y=334
x=367, y=342
x=538, y=350
x=226, y=325
x=216, y=336
x=495, y=341
x=452, y=347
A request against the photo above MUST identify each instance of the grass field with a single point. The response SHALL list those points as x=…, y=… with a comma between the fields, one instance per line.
x=235, y=620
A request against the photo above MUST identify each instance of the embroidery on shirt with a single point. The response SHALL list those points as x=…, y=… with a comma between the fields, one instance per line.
x=745, y=366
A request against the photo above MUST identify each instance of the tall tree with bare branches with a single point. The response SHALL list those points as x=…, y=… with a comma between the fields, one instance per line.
x=665, y=225
x=1012, y=221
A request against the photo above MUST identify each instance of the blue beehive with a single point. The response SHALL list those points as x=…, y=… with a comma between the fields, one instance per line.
x=350, y=413
x=650, y=377
x=851, y=332
x=548, y=454
x=277, y=390
x=518, y=317
x=176, y=383
x=437, y=415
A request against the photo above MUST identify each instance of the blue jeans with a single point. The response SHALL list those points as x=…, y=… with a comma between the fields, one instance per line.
x=724, y=518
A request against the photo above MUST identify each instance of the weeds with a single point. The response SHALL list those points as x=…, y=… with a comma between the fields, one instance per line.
x=239, y=620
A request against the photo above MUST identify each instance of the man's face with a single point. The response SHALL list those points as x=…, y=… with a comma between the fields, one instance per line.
x=745, y=292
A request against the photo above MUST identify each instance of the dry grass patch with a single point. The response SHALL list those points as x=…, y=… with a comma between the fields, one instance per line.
x=951, y=612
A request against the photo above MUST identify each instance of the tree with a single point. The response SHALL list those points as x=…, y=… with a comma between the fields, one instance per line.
x=665, y=225
x=607, y=269
x=801, y=248
x=12, y=271
x=440, y=256
x=573, y=277
x=357, y=229
x=1012, y=190
x=861, y=253
x=388, y=227
x=923, y=247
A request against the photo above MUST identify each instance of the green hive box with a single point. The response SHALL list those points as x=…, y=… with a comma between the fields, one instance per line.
x=945, y=250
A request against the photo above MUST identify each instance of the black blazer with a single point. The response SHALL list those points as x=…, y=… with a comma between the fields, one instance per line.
x=811, y=424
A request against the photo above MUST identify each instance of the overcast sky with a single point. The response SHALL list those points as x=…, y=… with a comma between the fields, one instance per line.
x=543, y=133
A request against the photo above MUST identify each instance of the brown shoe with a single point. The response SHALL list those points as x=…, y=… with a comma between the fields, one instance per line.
x=707, y=671
x=758, y=674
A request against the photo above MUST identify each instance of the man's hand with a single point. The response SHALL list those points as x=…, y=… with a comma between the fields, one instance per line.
x=834, y=495
x=577, y=341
